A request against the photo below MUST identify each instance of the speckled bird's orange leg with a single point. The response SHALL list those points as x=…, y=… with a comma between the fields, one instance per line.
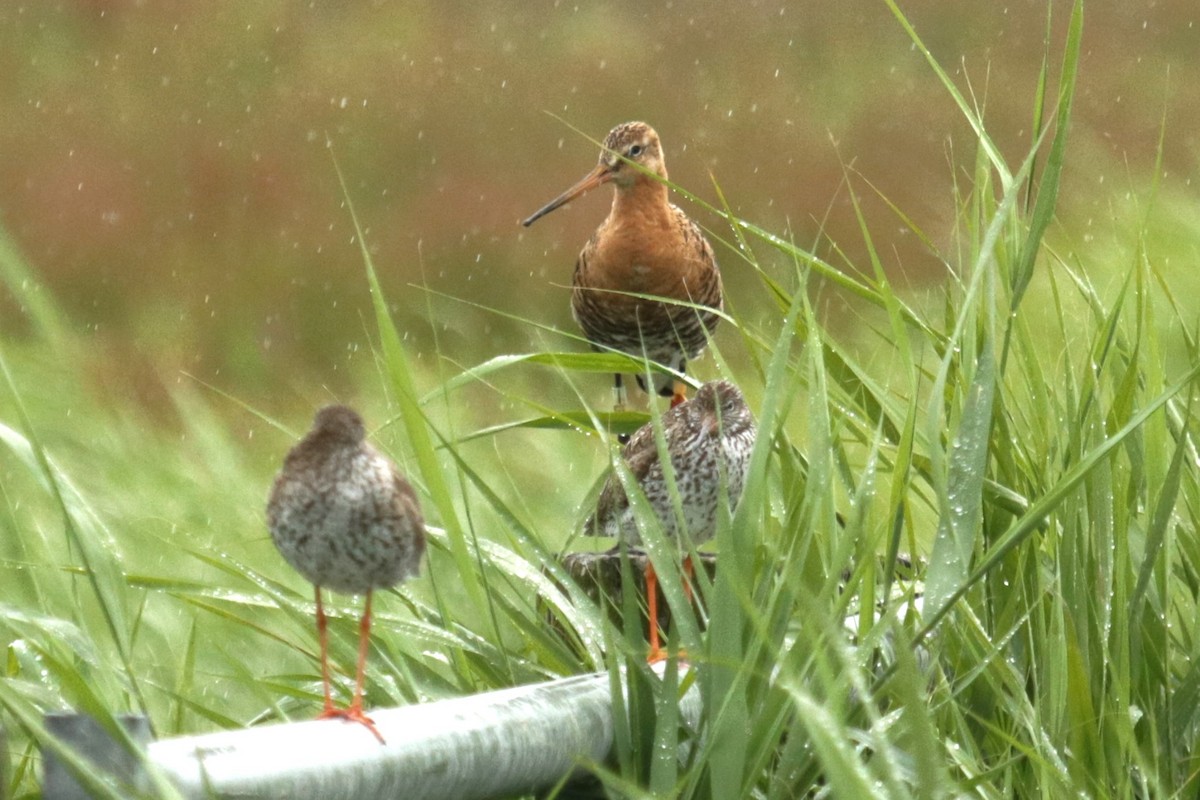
x=353, y=713
x=656, y=652
x=323, y=637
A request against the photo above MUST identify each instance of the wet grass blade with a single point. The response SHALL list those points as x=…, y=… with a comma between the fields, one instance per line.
x=959, y=523
x=86, y=538
x=1047, y=196
x=1029, y=522
x=404, y=392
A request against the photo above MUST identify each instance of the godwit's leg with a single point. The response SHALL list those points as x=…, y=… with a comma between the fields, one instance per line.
x=619, y=400
x=619, y=395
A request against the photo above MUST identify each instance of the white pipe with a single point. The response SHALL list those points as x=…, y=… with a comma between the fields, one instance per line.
x=488, y=745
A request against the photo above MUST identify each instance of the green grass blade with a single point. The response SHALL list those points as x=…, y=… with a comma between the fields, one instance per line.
x=959, y=523
x=973, y=119
x=1047, y=197
x=95, y=548
x=1029, y=522
x=399, y=371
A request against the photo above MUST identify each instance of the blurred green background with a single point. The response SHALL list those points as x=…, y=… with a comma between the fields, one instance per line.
x=163, y=165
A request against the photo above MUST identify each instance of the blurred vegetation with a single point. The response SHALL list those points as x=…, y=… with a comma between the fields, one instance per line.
x=164, y=165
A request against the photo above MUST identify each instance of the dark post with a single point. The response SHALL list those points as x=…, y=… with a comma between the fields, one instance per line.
x=92, y=742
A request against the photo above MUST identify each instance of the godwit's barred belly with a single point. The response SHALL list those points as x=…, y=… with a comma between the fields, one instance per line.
x=664, y=331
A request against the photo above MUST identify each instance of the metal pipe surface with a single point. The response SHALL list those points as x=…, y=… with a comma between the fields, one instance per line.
x=483, y=746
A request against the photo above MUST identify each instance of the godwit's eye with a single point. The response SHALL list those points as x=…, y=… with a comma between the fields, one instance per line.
x=635, y=151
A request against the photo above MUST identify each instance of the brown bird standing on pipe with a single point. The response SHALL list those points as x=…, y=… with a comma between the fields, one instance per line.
x=646, y=246
x=345, y=518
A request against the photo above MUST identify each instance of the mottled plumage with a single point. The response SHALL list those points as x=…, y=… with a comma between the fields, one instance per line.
x=340, y=512
x=646, y=246
x=708, y=439
x=343, y=516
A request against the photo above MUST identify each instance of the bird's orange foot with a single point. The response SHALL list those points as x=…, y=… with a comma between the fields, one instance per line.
x=352, y=714
x=658, y=655
x=680, y=395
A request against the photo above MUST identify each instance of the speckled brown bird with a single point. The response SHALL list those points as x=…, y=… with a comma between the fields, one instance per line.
x=346, y=519
x=708, y=439
x=646, y=246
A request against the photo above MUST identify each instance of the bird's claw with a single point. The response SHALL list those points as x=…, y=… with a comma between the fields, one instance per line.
x=352, y=714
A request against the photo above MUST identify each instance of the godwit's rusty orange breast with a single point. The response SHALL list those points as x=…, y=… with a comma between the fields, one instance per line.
x=646, y=246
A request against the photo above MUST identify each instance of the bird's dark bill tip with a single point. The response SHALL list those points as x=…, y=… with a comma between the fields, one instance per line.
x=543, y=211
